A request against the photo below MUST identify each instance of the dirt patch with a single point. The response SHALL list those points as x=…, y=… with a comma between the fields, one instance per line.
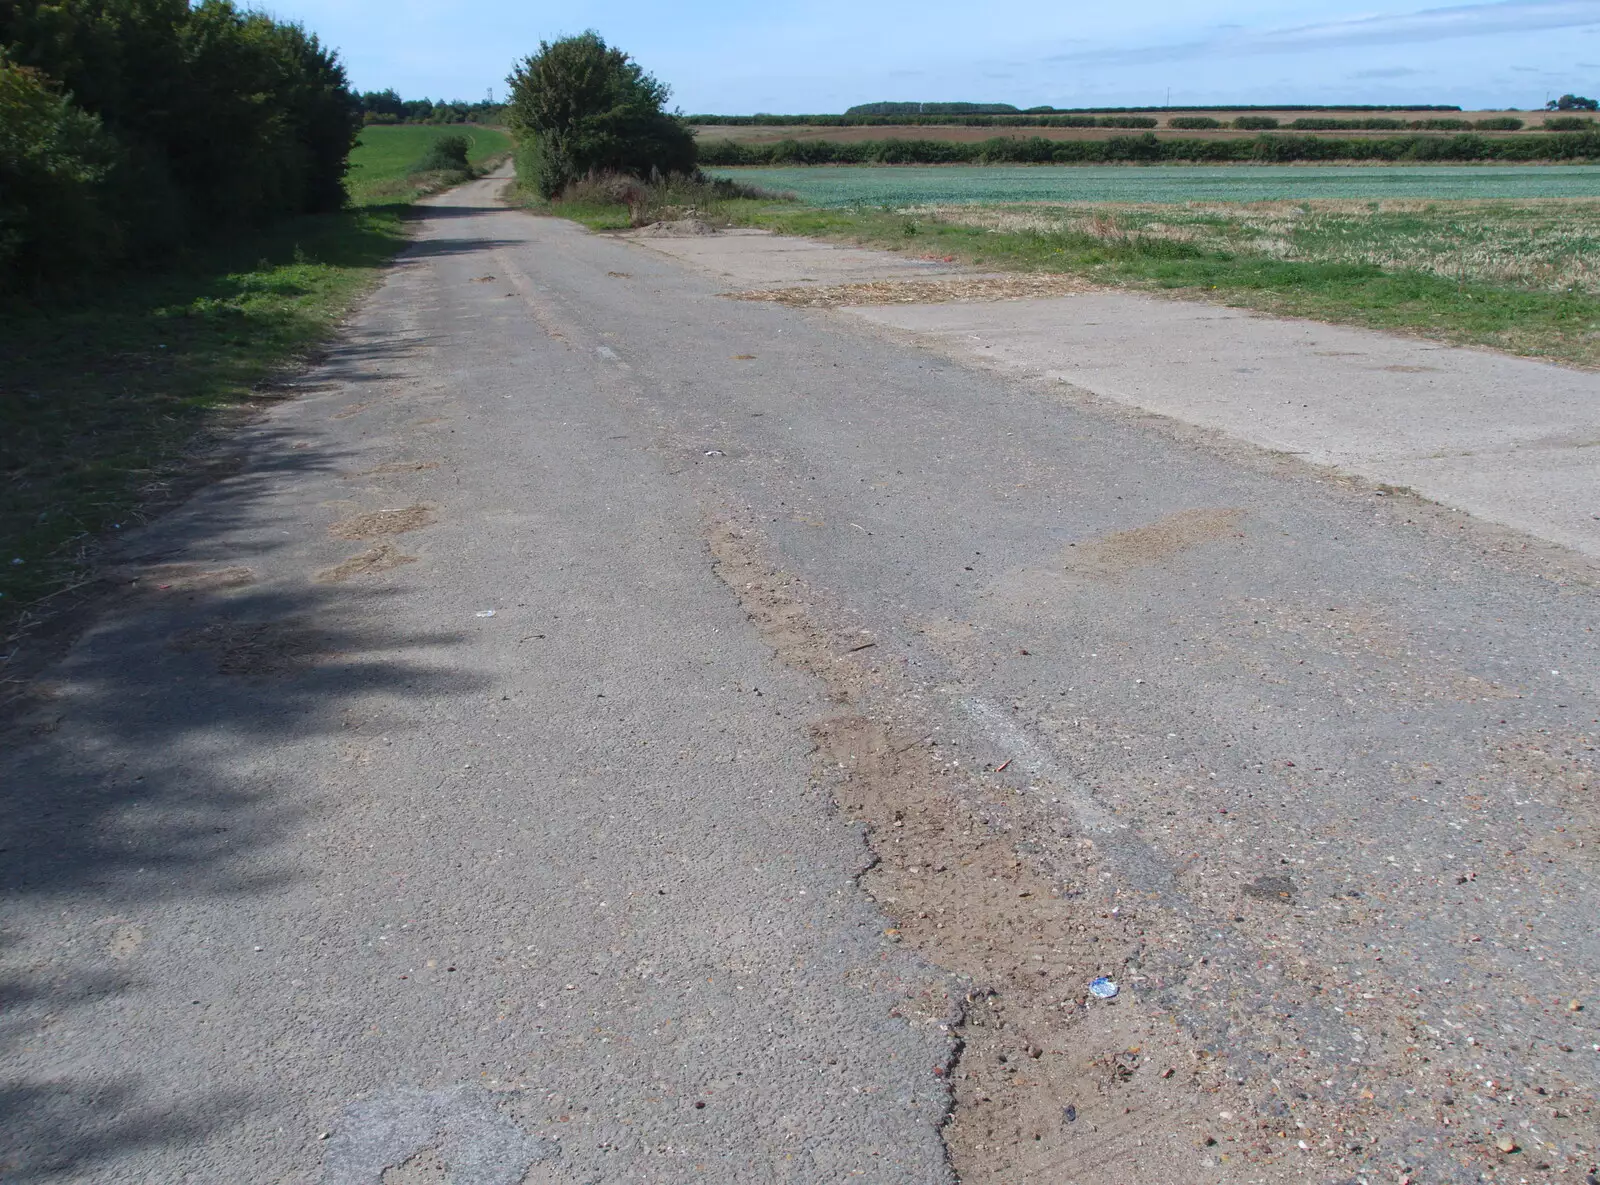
x=1045, y=1074
x=183, y=578
x=255, y=648
x=391, y=468
x=678, y=228
x=378, y=523
x=919, y=291
x=1140, y=547
x=355, y=409
x=381, y=558
x=424, y=1168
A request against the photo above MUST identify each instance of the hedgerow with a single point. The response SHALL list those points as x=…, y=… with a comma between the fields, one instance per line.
x=1149, y=149
x=132, y=127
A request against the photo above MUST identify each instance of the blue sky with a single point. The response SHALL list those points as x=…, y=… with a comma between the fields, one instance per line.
x=824, y=55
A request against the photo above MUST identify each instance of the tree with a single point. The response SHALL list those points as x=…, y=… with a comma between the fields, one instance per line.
x=580, y=106
x=53, y=160
x=1573, y=103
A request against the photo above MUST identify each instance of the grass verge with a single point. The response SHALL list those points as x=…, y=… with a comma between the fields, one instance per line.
x=1517, y=275
x=106, y=399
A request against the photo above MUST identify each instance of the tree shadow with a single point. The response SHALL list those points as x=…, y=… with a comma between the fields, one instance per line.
x=161, y=763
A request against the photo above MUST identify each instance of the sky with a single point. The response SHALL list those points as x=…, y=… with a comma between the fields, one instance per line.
x=723, y=57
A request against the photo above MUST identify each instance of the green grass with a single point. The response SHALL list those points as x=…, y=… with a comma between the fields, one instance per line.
x=1516, y=276
x=901, y=185
x=383, y=168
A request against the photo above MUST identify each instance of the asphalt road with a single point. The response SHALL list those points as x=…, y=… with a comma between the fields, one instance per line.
x=607, y=732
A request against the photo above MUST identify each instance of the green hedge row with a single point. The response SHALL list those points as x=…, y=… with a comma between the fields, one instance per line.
x=129, y=128
x=932, y=121
x=1148, y=149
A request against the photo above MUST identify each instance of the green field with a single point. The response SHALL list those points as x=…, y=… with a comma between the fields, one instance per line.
x=383, y=166
x=915, y=185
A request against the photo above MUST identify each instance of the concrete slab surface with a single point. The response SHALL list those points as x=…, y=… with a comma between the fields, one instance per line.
x=759, y=259
x=1511, y=440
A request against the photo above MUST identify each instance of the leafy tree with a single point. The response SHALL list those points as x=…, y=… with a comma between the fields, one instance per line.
x=208, y=117
x=53, y=159
x=580, y=106
x=1573, y=103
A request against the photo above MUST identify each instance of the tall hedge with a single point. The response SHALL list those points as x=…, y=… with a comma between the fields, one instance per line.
x=1149, y=149
x=207, y=119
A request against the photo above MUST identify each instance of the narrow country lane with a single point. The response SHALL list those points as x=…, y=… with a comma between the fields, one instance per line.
x=608, y=732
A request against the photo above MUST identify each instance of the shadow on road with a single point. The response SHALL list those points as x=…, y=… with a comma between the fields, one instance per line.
x=163, y=762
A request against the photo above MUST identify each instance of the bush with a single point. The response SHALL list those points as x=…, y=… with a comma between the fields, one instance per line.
x=585, y=107
x=1499, y=123
x=54, y=159
x=1348, y=125
x=1149, y=149
x=1255, y=123
x=447, y=154
x=195, y=121
x=1193, y=122
x=1443, y=125
x=1569, y=123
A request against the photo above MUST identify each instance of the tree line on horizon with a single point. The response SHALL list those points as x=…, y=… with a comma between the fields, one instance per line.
x=130, y=128
x=387, y=107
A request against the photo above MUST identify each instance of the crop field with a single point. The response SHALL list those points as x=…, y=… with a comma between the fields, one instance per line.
x=917, y=185
x=388, y=156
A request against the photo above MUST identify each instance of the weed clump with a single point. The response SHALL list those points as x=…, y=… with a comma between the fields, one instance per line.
x=668, y=198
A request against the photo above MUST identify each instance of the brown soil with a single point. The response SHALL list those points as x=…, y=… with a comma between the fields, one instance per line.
x=1046, y=1076
x=883, y=292
x=378, y=523
x=678, y=228
x=1124, y=551
x=257, y=648
x=377, y=559
x=355, y=409
x=396, y=467
x=182, y=578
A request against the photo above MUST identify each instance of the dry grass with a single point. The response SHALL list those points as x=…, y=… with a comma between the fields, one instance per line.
x=1550, y=245
x=882, y=292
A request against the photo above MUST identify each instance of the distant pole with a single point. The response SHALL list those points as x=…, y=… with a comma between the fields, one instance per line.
x=1169, y=96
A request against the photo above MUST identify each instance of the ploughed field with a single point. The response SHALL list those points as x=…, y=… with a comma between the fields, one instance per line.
x=902, y=185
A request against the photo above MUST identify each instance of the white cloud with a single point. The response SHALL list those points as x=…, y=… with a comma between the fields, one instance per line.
x=1434, y=24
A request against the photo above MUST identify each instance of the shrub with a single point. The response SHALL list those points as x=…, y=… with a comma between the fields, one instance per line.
x=587, y=107
x=447, y=154
x=54, y=160
x=1255, y=123
x=1569, y=123
x=1499, y=123
x=1348, y=125
x=1584, y=145
x=213, y=118
x=1193, y=122
x=1443, y=125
